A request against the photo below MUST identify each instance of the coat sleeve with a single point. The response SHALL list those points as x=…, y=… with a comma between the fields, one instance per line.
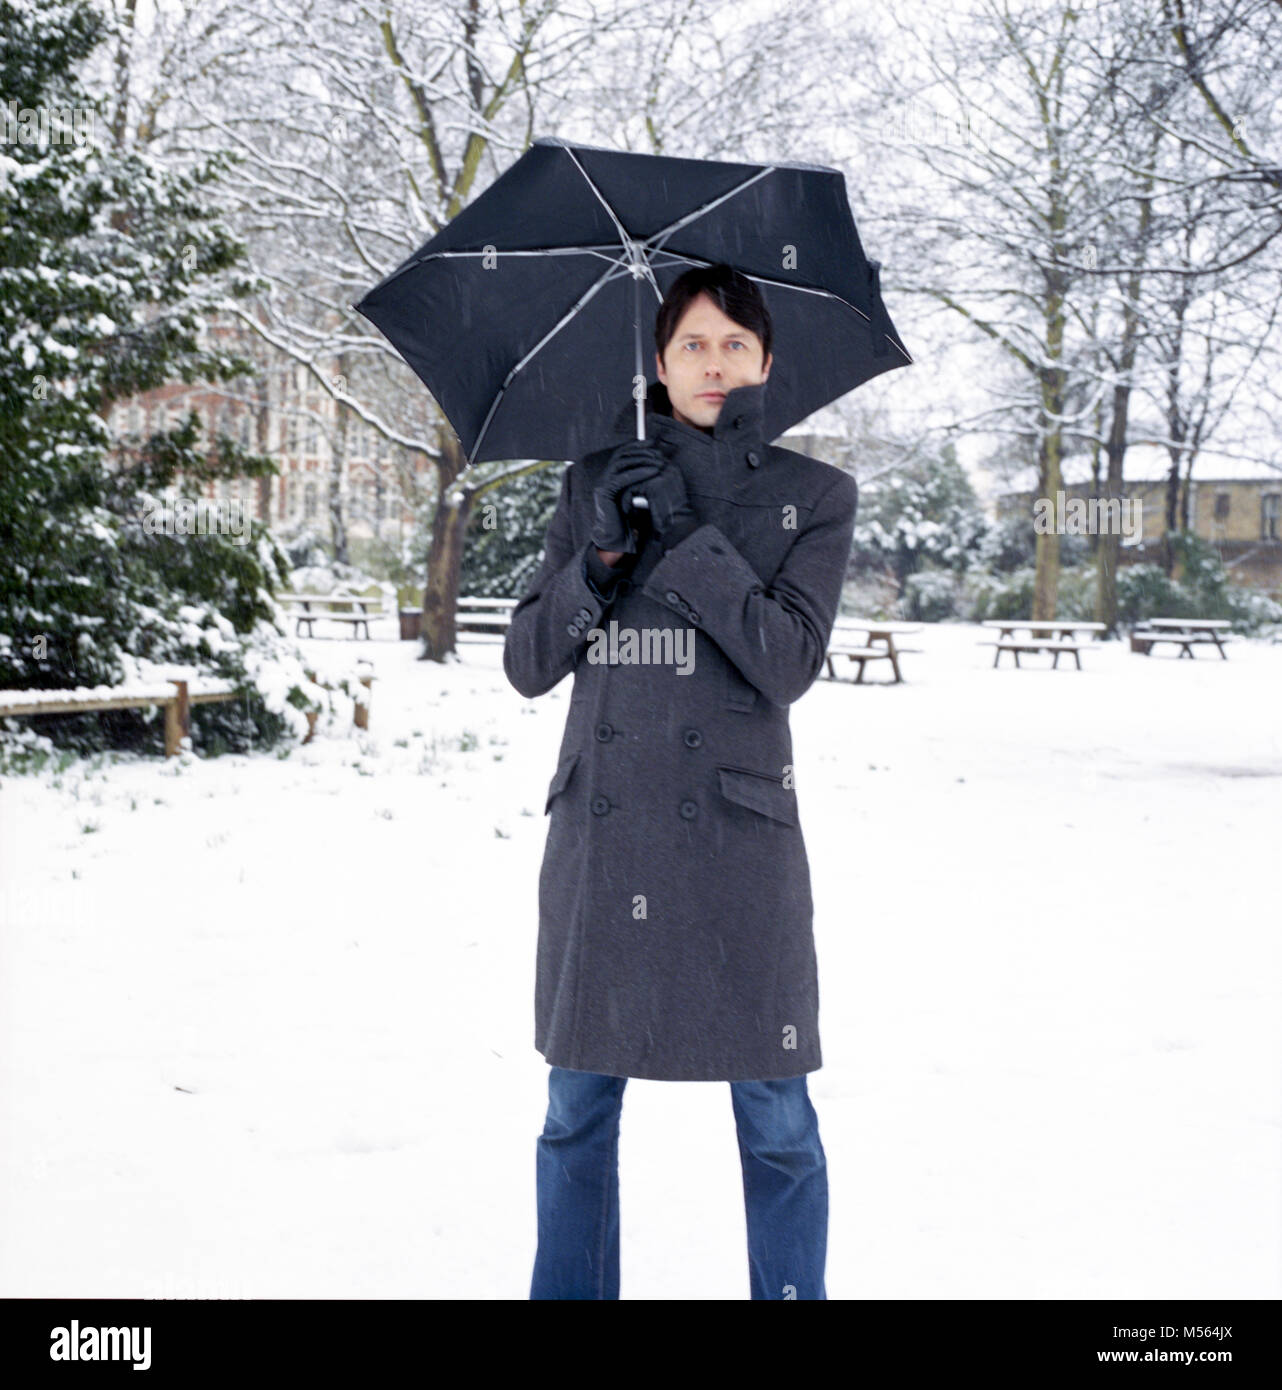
x=550, y=624
x=777, y=637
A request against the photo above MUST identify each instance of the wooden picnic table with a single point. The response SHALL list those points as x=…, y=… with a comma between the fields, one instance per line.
x=335, y=608
x=1051, y=627
x=1186, y=633
x=1054, y=635
x=878, y=644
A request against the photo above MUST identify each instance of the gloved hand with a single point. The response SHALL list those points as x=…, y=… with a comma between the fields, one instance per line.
x=671, y=513
x=629, y=469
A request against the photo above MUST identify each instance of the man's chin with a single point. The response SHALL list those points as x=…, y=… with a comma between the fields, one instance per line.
x=703, y=413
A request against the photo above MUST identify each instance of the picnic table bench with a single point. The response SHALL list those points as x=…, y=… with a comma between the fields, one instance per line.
x=877, y=644
x=1054, y=635
x=493, y=615
x=355, y=609
x=1186, y=633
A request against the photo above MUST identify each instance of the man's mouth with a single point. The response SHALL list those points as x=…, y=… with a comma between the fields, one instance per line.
x=712, y=395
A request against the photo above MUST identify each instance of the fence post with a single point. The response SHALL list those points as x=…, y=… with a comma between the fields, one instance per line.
x=361, y=714
x=177, y=718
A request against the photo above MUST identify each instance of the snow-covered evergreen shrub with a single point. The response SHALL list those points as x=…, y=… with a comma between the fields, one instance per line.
x=930, y=596
x=999, y=595
x=925, y=517
x=1204, y=590
x=500, y=561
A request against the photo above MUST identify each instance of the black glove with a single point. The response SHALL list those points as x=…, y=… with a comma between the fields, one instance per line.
x=671, y=515
x=628, y=470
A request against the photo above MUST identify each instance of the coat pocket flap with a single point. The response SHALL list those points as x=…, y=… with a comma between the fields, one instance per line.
x=759, y=792
x=559, y=782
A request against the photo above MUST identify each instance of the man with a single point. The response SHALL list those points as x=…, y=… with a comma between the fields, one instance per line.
x=675, y=939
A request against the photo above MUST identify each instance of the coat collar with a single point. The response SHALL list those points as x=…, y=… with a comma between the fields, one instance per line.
x=740, y=424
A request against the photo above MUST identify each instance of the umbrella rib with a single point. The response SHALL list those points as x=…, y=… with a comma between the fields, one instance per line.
x=630, y=244
x=656, y=241
x=623, y=234
x=601, y=250
x=417, y=261
x=827, y=294
x=550, y=334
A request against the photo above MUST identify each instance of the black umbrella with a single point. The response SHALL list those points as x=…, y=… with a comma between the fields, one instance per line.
x=516, y=315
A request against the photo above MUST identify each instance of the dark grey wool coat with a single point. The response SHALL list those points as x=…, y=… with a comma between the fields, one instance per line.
x=675, y=938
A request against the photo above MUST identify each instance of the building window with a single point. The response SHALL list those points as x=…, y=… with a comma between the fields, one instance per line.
x=1271, y=516
x=1221, y=506
x=309, y=500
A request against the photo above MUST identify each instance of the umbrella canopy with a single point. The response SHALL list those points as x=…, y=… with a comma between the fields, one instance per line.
x=531, y=315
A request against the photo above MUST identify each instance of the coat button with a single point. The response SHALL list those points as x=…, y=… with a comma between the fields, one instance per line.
x=738, y=422
x=672, y=596
x=585, y=615
x=604, y=733
x=600, y=805
x=754, y=458
x=572, y=629
x=692, y=615
x=693, y=738
x=689, y=809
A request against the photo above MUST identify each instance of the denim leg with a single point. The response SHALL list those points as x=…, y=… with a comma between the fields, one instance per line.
x=785, y=1188
x=578, y=1187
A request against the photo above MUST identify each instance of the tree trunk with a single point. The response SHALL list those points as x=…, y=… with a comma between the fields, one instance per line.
x=1119, y=427
x=1110, y=543
x=445, y=553
x=1050, y=449
x=1046, y=567
x=1176, y=428
x=337, y=470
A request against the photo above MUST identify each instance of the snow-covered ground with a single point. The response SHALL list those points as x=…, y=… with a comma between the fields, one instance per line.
x=267, y=1022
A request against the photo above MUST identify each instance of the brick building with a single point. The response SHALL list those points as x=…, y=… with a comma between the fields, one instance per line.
x=1235, y=506
x=281, y=414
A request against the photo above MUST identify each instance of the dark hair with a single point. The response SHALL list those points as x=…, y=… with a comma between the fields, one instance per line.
x=734, y=294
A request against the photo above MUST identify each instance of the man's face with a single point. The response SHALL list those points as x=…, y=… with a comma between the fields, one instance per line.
x=708, y=355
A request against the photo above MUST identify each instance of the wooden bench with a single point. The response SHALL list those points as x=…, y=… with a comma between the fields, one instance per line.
x=355, y=609
x=1143, y=640
x=877, y=643
x=492, y=615
x=174, y=696
x=1186, y=633
x=1015, y=645
x=865, y=654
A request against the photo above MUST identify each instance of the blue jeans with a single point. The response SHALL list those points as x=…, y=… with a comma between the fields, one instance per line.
x=785, y=1187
